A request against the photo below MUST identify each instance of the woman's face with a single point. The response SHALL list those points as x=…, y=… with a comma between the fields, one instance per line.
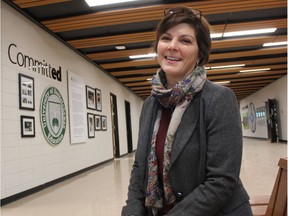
x=178, y=53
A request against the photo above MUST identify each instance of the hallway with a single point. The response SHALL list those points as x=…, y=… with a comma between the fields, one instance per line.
x=103, y=190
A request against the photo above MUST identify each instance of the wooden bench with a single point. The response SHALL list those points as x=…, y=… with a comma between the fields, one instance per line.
x=276, y=204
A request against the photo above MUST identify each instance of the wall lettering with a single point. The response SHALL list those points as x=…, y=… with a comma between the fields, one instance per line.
x=35, y=65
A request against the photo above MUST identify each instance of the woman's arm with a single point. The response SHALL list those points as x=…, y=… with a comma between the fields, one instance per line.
x=136, y=190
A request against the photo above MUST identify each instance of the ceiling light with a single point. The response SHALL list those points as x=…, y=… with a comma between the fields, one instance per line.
x=255, y=70
x=249, y=32
x=120, y=47
x=93, y=3
x=149, y=55
x=276, y=43
x=222, y=82
x=216, y=35
x=227, y=66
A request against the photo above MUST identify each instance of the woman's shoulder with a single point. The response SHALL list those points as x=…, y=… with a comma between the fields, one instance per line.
x=211, y=89
x=149, y=103
x=150, y=99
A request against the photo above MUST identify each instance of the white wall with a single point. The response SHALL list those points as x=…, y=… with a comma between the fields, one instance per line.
x=29, y=162
x=277, y=90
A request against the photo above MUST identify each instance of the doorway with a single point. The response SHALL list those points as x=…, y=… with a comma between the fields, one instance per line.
x=128, y=127
x=114, y=123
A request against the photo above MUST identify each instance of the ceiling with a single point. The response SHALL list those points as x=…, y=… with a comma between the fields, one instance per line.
x=94, y=33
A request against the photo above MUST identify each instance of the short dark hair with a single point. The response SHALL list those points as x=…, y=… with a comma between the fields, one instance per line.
x=197, y=21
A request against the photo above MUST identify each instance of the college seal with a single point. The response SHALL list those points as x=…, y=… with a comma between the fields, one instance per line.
x=53, y=116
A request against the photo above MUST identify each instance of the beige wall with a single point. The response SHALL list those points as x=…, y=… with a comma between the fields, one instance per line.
x=277, y=90
x=29, y=162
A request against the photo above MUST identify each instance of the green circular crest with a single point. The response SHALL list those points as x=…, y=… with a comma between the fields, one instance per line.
x=53, y=115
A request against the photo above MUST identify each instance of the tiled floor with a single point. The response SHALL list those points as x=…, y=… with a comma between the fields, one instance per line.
x=102, y=191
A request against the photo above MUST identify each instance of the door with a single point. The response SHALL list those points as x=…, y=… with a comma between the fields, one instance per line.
x=128, y=127
x=114, y=123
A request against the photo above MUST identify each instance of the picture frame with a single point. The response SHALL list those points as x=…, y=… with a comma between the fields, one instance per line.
x=98, y=99
x=90, y=98
x=91, y=125
x=27, y=126
x=103, y=123
x=26, y=92
x=97, y=120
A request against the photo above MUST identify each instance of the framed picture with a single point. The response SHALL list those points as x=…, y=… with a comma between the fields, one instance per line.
x=98, y=99
x=91, y=125
x=103, y=123
x=27, y=126
x=97, y=119
x=26, y=92
x=90, y=98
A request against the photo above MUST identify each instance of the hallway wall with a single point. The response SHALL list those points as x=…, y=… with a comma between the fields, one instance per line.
x=277, y=90
x=31, y=161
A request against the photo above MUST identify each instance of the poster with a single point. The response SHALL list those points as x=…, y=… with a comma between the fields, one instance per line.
x=77, y=108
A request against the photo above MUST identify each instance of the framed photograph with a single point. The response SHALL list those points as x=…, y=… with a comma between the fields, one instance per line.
x=27, y=126
x=90, y=98
x=103, y=123
x=98, y=99
x=26, y=92
x=97, y=119
x=91, y=125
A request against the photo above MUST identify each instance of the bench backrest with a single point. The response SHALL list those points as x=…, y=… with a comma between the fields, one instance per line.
x=278, y=201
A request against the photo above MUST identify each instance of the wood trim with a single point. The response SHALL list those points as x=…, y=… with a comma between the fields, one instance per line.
x=117, y=17
x=150, y=36
x=230, y=55
x=35, y=3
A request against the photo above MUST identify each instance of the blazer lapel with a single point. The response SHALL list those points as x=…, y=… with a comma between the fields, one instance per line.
x=185, y=129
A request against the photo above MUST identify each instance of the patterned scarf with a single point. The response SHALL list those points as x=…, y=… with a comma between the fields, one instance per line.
x=179, y=97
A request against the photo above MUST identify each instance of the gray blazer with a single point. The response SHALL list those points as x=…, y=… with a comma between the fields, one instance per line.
x=205, y=158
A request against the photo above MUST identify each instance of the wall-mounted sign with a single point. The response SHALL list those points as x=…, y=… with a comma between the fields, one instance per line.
x=252, y=117
x=41, y=67
x=53, y=115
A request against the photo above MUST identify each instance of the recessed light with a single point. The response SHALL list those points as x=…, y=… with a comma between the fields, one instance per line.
x=120, y=47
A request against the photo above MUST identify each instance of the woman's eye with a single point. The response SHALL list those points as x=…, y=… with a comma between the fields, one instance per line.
x=187, y=41
x=165, y=38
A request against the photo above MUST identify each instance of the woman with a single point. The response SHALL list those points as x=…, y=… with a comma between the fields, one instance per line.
x=190, y=140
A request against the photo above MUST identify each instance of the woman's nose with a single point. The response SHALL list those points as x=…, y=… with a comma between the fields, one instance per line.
x=173, y=45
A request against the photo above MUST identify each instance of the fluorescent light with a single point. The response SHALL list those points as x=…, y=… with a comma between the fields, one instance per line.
x=149, y=55
x=249, y=32
x=242, y=33
x=93, y=3
x=216, y=35
x=227, y=66
x=255, y=70
x=222, y=82
x=275, y=43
